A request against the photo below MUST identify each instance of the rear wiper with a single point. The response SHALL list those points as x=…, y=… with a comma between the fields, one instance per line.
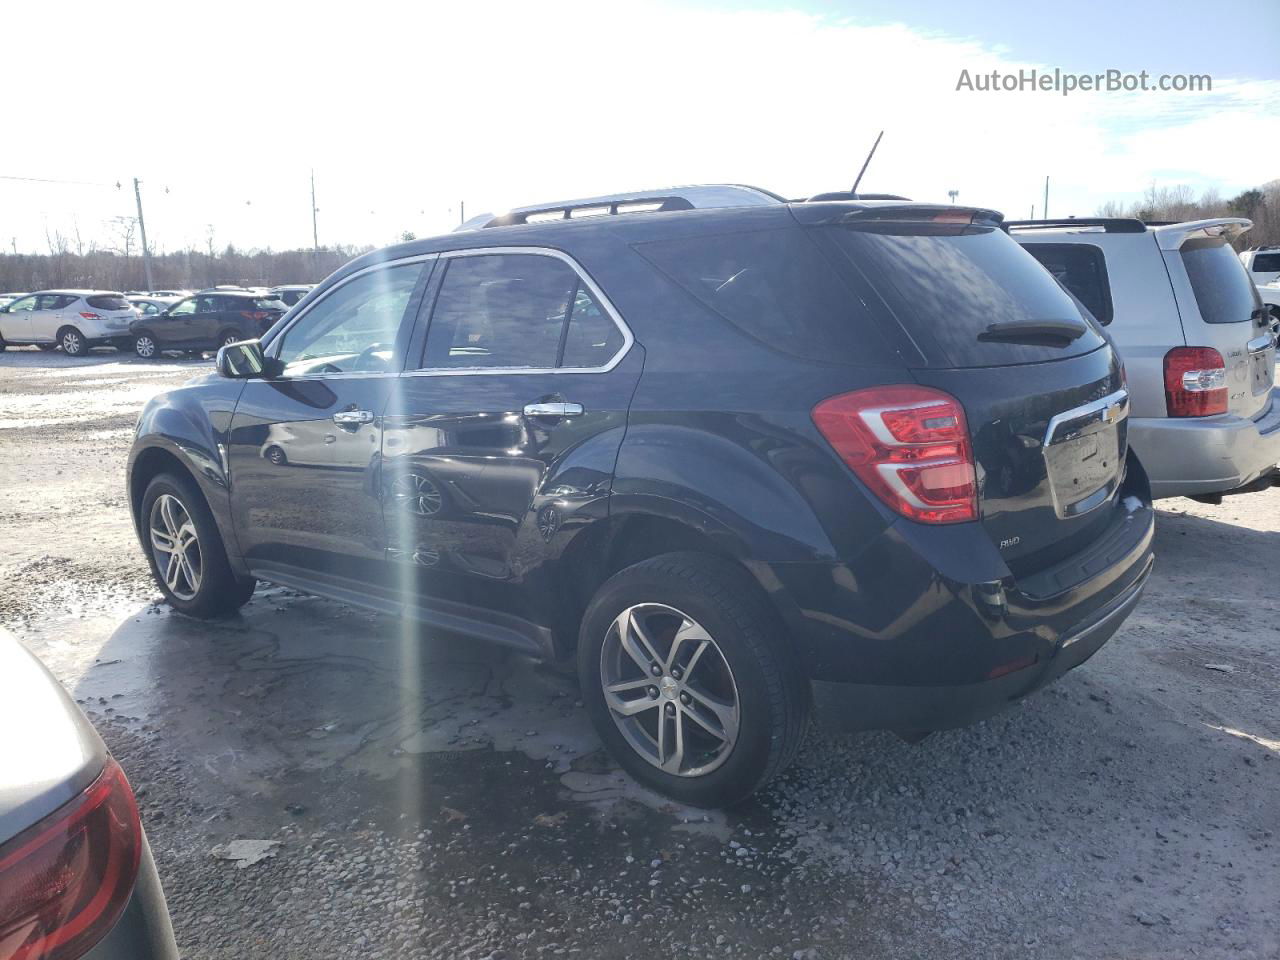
x=1052, y=332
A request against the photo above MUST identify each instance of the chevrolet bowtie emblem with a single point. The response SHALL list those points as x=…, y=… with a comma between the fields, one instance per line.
x=1111, y=413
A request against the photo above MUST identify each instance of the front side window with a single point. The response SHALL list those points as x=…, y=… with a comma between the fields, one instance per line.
x=1080, y=268
x=354, y=328
x=184, y=309
x=25, y=305
x=522, y=311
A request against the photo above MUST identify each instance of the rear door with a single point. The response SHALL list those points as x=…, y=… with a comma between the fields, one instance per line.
x=1221, y=308
x=1041, y=389
x=305, y=446
x=501, y=439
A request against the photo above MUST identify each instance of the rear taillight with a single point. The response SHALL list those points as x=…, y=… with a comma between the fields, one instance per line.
x=257, y=316
x=65, y=881
x=1195, y=382
x=910, y=445
x=90, y=316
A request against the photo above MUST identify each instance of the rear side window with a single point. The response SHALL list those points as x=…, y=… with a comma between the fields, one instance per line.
x=108, y=303
x=517, y=311
x=1266, y=263
x=951, y=285
x=267, y=303
x=1224, y=292
x=775, y=286
x=1081, y=268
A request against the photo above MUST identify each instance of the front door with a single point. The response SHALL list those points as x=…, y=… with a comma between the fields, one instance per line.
x=173, y=327
x=15, y=324
x=499, y=448
x=305, y=446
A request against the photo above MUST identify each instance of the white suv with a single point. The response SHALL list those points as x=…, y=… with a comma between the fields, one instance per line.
x=1196, y=341
x=75, y=320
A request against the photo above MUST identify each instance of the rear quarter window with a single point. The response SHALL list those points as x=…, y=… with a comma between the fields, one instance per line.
x=947, y=284
x=1266, y=263
x=1082, y=269
x=108, y=303
x=1224, y=291
x=777, y=287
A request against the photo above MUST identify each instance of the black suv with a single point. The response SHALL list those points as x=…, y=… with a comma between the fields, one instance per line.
x=205, y=321
x=738, y=455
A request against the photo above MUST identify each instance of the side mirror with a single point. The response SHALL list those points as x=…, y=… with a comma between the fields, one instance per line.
x=244, y=361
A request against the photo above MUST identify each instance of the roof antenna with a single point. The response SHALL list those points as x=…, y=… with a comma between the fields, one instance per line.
x=854, y=191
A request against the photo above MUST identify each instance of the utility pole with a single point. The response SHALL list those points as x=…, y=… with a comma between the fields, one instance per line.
x=462, y=211
x=953, y=194
x=142, y=227
x=1045, y=210
x=1033, y=212
x=315, y=232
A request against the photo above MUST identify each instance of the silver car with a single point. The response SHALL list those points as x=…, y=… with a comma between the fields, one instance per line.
x=75, y=320
x=76, y=874
x=1196, y=341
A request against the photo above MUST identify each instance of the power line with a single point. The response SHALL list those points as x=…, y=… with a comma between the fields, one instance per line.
x=83, y=183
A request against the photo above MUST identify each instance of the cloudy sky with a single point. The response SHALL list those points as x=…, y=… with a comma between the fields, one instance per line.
x=405, y=110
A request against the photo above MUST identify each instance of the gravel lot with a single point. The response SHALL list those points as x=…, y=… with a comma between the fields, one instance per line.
x=434, y=800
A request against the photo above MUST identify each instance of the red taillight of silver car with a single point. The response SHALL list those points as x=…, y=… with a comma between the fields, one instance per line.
x=1195, y=382
x=65, y=881
x=910, y=445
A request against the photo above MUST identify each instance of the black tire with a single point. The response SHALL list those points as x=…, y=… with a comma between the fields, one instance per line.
x=773, y=697
x=47, y=347
x=73, y=342
x=219, y=592
x=229, y=336
x=277, y=456
x=145, y=346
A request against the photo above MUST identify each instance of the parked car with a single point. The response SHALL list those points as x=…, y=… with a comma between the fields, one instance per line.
x=738, y=456
x=75, y=320
x=1196, y=341
x=173, y=294
x=205, y=321
x=1263, y=263
x=8, y=298
x=291, y=293
x=76, y=874
x=149, y=306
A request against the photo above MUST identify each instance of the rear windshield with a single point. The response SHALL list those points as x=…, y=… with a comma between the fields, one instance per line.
x=1224, y=292
x=1266, y=263
x=948, y=284
x=108, y=303
x=777, y=287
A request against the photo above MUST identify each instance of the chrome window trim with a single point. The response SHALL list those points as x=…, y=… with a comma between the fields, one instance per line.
x=1095, y=409
x=278, y=341
x=627, y=338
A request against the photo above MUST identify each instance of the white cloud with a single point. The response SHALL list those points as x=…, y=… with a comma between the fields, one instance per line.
x=405, y=110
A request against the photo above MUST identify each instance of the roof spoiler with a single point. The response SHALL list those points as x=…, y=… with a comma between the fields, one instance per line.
x=1108, y=224
x=1174, y=235
x=896, y=212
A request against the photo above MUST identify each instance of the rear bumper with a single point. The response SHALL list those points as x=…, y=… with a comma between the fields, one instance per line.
x=1191, y=456
x=143, y=931
x=928, y=629
x=917, y=709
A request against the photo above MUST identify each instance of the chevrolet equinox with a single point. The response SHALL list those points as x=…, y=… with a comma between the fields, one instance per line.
x=742, y=457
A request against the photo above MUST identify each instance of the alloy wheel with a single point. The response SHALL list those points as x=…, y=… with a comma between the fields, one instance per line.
x=418, y=494
x=669, y=690
x=72, y=344
x=145, y=347
x=176, y=546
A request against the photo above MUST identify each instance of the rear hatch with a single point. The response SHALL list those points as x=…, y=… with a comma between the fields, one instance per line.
x=1220, y=308
x=977, y=317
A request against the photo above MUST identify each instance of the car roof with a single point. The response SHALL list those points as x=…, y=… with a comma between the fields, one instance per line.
x=68, y=292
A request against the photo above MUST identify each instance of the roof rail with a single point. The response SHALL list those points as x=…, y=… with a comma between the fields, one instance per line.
x=644, y=201
x=1109, y=224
